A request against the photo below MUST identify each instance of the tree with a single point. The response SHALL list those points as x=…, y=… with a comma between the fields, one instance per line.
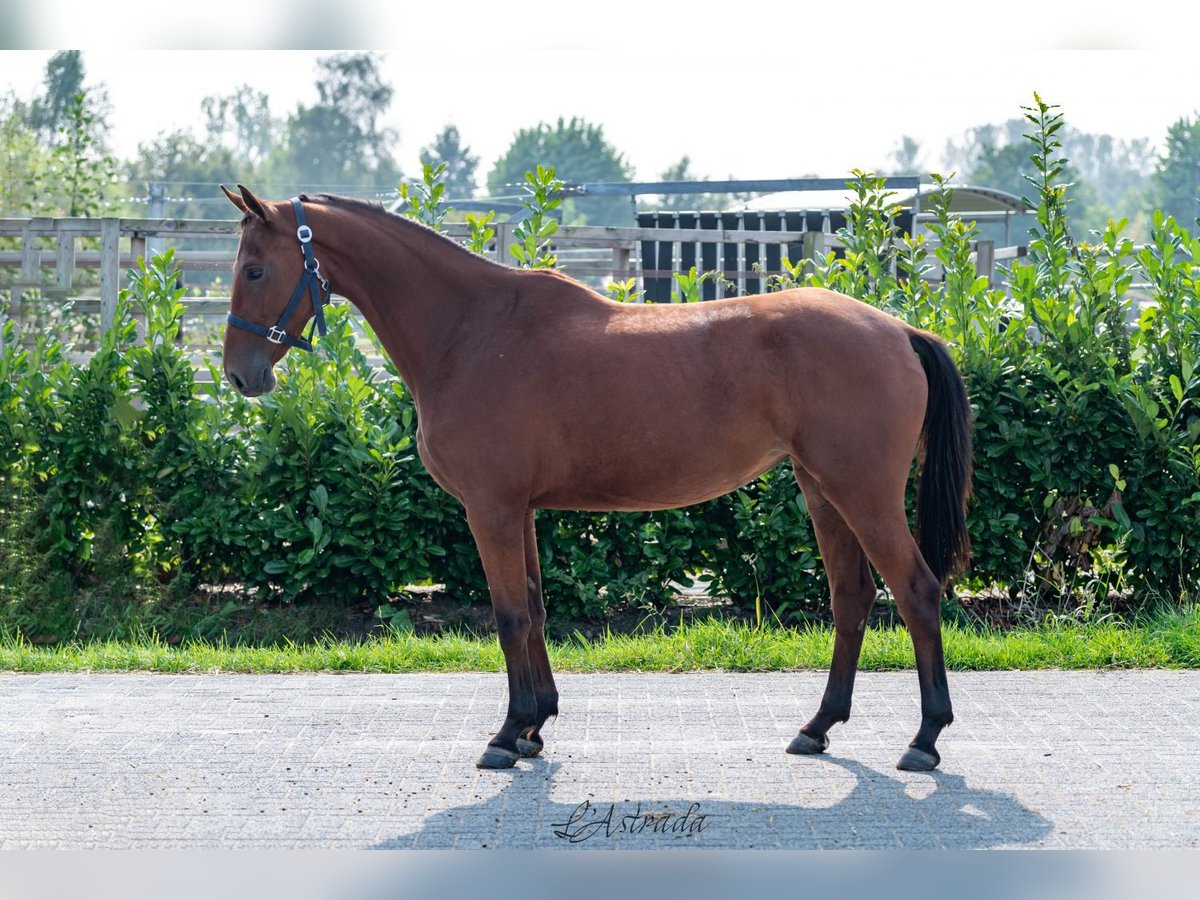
x=905, y=158
x=1107, y=175
x=338, y=143
x=579, y=152
x=961, y=155
x=49, y=111
x=1176, y=179
x=998, y=156
x=243, y=123
x=459, y=176
x=682, y=171
x=1117, y=170
x=995, y=156
x=23, y=161
x=187, y=168
x=82, y=169
x=54, y=157
x=1002, y=166
x=74, y=175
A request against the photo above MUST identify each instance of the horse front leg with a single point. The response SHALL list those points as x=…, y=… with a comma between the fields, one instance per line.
x=499, y=532
x=530, y=742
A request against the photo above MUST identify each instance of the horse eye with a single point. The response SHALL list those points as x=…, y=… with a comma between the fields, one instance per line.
x=254, y=273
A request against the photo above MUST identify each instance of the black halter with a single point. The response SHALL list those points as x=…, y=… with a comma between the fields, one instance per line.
x=311, y=280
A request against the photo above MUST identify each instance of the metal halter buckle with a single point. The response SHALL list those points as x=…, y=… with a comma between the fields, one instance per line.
x=275, y=334
x=304, y=233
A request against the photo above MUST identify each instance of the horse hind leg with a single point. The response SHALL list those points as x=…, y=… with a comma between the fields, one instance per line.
x=852, y=590
x=891, y=549
x=545, y=693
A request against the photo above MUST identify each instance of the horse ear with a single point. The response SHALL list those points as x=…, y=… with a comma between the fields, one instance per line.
x=254, y=206
x=235, y=199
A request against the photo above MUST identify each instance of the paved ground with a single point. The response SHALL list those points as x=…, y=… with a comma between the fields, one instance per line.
x=1046, y=759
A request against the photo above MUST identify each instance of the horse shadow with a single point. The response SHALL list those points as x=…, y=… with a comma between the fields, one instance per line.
x=881, y=811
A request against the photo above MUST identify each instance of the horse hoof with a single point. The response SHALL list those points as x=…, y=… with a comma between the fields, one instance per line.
x=915, y=760
x=497, y=758
x=803, y=745
x=527, y=747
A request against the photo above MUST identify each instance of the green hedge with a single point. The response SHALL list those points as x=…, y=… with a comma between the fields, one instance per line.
x=124, y=480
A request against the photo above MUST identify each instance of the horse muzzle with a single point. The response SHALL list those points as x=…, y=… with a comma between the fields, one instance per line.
x=251, y=381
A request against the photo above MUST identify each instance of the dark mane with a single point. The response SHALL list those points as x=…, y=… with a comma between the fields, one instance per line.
x=375, y=208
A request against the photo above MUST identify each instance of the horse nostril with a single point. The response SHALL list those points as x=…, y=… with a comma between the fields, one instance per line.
x=236, y=381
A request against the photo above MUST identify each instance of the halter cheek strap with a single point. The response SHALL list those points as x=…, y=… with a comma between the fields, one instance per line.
x=310, y=282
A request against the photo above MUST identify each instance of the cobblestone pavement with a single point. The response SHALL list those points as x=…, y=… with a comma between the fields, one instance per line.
x=1034, y=759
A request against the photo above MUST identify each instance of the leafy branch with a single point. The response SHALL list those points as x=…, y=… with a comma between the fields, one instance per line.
x=532, y=246
x=424, y=198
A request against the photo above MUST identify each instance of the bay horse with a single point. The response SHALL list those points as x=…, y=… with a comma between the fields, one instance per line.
x=531, y=392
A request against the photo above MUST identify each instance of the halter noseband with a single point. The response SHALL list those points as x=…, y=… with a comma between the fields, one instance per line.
x=311, y=281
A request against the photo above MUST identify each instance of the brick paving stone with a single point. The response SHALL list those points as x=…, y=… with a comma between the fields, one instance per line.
x=1034, y=759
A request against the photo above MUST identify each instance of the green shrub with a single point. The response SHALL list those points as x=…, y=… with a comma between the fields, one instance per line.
x=125, y=483
x=766, y=557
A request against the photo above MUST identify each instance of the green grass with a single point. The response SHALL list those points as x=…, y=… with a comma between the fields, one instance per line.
x=1165, y=640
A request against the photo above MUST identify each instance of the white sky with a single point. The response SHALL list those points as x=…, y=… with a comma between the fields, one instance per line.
x=749, y=90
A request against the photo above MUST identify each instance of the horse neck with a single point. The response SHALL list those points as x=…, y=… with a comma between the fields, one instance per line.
x=417, y=291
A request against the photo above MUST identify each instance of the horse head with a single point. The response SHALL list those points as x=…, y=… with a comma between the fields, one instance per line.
x=276, y=291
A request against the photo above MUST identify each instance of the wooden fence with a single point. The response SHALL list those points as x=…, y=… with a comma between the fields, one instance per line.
x=53, y=254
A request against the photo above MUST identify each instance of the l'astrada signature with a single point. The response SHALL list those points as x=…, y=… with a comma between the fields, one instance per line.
x=587, y=821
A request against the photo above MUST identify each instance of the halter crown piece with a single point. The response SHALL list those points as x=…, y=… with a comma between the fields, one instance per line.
x=311, y=281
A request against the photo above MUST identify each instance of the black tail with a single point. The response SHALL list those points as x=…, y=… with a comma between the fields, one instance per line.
x=946, y=459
